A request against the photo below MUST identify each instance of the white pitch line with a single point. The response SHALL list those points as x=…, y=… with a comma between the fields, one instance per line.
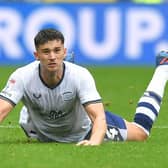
x=17, y=126
x=161, y=127
x=9, y=126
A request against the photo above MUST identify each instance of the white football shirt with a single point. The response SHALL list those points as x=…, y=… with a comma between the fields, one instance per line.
x=57, y=113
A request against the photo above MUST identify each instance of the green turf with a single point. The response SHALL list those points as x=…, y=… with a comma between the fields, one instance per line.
x=120, y=88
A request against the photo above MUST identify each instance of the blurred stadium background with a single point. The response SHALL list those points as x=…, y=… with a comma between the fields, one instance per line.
x=109, y=32
x=122, y=37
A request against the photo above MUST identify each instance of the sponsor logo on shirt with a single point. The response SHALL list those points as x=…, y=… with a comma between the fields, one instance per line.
x=37, y=96
x=55, y=114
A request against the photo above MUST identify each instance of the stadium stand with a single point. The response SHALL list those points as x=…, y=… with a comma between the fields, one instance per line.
x=81, y=1
x=28, y=1
x=90, y=1
x=110, y=1
x=148, y=1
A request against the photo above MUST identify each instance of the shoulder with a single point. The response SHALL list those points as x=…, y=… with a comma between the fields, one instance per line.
x=26, y=72
x=28, y=69
x=78, y=74
x=75, y=69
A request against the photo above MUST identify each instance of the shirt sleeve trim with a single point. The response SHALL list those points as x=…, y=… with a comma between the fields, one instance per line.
x=92, y=102
x=8, y=100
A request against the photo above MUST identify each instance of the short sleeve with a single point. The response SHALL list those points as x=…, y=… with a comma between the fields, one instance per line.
x=87, y=91
x=13, y=91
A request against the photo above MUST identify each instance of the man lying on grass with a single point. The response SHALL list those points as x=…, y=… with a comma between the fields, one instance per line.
x=62, y=104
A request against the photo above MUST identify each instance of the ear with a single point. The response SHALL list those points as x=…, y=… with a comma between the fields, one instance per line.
x=65, y=52
x=36, y=55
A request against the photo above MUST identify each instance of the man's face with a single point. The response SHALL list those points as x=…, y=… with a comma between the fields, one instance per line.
x=51, y=55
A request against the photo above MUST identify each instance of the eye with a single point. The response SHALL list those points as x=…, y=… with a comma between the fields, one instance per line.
x=46, y=51
x=57, y=50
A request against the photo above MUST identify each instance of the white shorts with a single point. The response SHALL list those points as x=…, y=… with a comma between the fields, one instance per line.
x=26, y=123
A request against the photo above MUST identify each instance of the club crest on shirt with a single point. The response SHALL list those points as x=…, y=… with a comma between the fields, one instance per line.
x=67, y=96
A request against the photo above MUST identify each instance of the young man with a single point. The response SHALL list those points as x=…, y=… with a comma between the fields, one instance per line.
x=61, y=102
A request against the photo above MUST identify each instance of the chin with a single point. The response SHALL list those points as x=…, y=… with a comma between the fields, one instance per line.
x=52, y=69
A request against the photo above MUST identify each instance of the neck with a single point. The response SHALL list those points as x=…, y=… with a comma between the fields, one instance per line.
x=51, y=79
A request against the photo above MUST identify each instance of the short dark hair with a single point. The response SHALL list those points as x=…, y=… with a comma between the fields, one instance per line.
x=45, y=35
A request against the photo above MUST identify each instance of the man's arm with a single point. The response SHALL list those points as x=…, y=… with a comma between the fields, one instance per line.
x=97, y=115
x=5, y=108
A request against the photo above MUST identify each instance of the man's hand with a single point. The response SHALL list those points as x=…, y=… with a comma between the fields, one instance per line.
x=97, y=115
x=86, y=143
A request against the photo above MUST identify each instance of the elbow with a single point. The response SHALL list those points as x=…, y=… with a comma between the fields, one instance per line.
x=2, y=116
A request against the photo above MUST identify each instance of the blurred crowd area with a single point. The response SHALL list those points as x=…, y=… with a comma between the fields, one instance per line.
x=98, y=1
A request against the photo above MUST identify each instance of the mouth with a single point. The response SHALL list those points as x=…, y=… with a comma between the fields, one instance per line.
x=53, y=64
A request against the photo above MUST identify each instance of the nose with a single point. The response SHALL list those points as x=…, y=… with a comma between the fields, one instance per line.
x=52, y=55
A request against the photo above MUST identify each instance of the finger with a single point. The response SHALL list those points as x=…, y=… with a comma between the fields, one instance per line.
x=82, y=142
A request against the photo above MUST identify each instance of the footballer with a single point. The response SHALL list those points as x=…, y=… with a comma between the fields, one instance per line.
x=61, y=102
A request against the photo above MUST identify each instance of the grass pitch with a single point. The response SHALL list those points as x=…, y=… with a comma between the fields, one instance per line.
x=120, y=88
